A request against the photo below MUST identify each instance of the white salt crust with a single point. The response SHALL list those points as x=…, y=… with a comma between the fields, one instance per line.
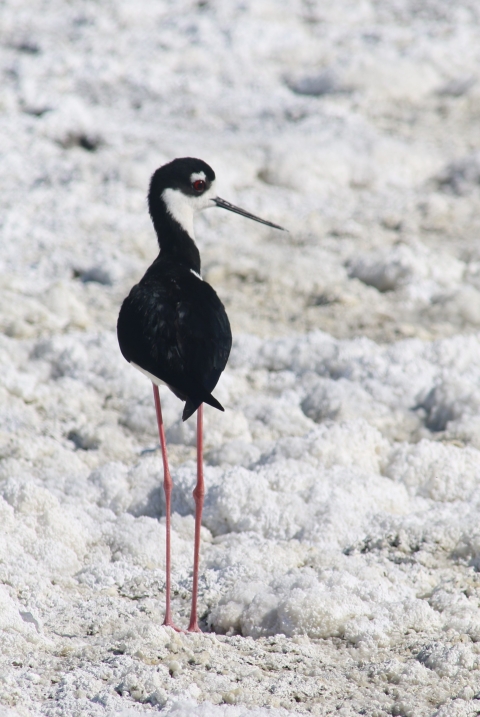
x=341, y=540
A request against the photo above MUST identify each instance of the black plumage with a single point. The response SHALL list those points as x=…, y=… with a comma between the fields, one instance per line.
x=173, y=325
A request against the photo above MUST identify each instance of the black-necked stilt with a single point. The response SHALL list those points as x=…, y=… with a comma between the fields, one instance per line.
x=173, y=327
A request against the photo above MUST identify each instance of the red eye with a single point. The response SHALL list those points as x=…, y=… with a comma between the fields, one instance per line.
x=199, y=185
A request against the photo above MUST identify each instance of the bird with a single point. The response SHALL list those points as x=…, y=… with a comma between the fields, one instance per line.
x=173, y=327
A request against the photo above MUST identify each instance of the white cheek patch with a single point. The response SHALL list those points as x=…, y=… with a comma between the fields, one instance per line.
x=195, y=273
x=181, y=208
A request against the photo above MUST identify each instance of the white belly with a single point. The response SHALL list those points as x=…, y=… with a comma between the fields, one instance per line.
x=153, y=379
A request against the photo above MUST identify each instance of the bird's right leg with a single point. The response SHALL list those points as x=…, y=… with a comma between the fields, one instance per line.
x=167, y=486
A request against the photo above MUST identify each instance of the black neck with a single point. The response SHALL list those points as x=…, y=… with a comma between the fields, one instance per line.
x=175, y=243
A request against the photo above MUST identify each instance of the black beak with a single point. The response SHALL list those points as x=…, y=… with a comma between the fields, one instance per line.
x=232, y=208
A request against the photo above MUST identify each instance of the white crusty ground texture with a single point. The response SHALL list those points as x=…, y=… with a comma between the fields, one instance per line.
x=341, y=539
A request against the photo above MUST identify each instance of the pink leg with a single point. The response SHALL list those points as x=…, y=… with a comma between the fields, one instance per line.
x=198, y=495
x=167, y=485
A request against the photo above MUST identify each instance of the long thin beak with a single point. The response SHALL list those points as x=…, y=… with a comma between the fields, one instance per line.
x=232, y=208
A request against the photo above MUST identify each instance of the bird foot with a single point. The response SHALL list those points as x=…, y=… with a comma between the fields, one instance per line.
x=194, y=628
x=170, y=623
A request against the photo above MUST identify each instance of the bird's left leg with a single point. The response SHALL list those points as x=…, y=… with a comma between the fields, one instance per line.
x=198, y=494
x=167, y=485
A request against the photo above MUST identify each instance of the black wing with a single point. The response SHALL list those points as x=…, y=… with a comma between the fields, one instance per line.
x=174, y=326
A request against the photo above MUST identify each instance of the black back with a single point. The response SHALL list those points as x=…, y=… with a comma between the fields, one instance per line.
x=173, y=325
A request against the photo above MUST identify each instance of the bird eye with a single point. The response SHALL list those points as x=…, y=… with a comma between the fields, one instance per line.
x=199, y=185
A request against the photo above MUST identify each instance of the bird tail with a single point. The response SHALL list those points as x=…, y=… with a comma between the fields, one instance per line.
x=191, y=405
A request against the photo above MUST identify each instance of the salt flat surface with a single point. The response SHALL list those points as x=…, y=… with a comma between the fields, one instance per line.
x=341, y=538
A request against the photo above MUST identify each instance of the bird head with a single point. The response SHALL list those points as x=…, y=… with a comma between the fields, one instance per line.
x=186, y=186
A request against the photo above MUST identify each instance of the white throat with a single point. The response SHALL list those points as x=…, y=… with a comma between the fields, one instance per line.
x=180, y=208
